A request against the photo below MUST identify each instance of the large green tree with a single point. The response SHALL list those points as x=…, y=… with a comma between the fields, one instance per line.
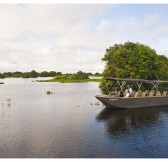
x=134, y=60
x=163, y=62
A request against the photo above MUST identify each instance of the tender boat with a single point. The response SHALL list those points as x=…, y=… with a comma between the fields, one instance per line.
x=137, y=99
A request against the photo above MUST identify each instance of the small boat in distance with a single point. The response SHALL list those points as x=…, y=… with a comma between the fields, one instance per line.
x=137, y=99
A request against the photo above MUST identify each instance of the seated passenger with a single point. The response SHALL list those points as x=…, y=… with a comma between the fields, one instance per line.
x=128, y=91
x=113, y=93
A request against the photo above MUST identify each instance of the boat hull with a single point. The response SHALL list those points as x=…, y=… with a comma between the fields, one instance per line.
x=132, y=102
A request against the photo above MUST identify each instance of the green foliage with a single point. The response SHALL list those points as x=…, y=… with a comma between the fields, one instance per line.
x=26, y=75
x=52, y=73
x=71, y=78
x=33, y=74
x=134, y=60
x=2, y=75
x=7, y=74
x=79, y=76
x=61, y=77
x=17, y=74
x=58, y=75
x=163, y=62
x=44, y=74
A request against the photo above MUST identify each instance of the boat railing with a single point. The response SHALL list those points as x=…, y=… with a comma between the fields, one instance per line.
x=164, y=93
x=151, y=93
x=139, y=94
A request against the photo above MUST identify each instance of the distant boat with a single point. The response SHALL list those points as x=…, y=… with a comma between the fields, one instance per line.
x=137, y=99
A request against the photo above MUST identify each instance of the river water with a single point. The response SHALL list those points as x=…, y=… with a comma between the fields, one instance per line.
x=68, y=124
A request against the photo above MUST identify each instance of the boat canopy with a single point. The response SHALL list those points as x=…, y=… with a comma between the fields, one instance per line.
x=122, y=81
x=137, y=80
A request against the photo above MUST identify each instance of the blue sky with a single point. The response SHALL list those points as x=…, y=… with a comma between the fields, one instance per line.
x=71, y=37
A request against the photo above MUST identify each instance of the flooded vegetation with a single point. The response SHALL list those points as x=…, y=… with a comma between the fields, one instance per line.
x=73, y=78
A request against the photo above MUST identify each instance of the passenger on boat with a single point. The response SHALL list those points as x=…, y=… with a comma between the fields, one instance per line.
x=128, y=91
x=126, y=94
x=114, y=92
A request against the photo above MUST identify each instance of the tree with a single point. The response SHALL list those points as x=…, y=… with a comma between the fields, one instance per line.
x=52, y=73
x=134, y=60
x=2, y=75
x=7, y=74
x=44, y=74
x=17, y=74
x=58, y=73
x=163, y=62
x=26, y=75
x=33, y=74
x=79, y=76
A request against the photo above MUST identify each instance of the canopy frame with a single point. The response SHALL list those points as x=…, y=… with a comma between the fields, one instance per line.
x=139, y=85
x=138, y=80
x=122, y=81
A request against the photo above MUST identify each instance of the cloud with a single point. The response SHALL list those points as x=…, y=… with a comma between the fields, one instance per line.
x=69, y=38
x=45, y=36
x=149, y=30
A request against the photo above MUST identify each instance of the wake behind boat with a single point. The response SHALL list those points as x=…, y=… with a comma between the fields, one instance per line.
x=137, y=99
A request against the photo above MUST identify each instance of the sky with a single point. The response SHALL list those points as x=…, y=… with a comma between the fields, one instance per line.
x=73, y=37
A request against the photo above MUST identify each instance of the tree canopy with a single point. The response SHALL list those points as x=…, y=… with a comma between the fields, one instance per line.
x=80, y=76
x=134, y=60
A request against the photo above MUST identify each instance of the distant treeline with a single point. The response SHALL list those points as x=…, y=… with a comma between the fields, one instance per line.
x=34, y=74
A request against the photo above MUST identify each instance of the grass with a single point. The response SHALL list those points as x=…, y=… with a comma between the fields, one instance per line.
x=64, y=80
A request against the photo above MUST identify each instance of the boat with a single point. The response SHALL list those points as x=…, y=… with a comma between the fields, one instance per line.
x=138, y=98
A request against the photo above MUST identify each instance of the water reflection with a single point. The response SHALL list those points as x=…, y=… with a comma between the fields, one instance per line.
x=119, y=122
